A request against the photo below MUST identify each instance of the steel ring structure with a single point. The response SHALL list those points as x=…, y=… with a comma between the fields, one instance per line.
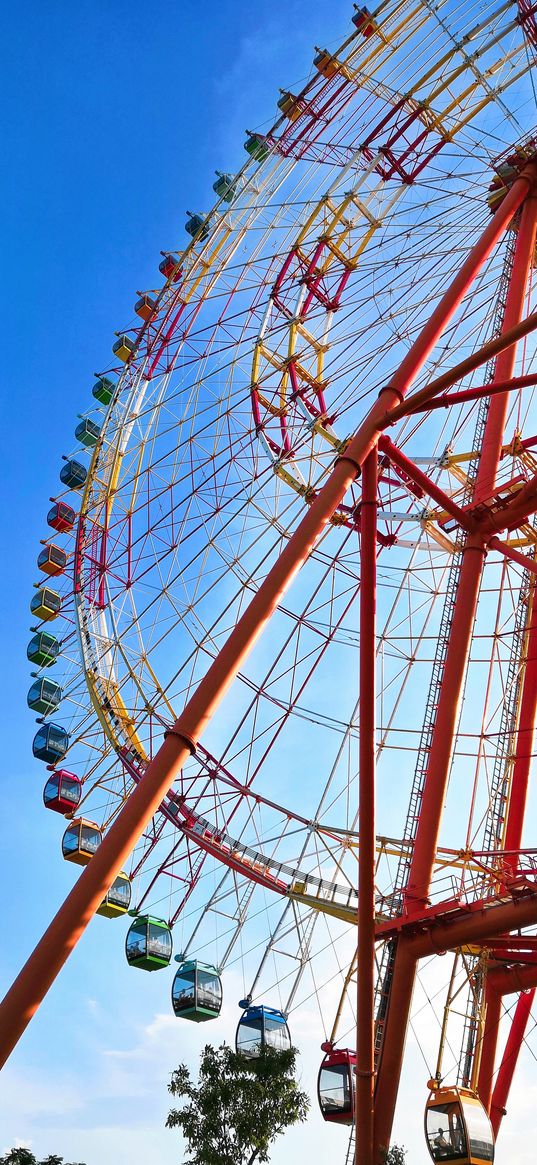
x=299, y=576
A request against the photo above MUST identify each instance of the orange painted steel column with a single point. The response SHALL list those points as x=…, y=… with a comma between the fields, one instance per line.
x=440, y=753
x=44, y=964
x=508, y=1065
x=365, y=1051
x=489, y=1043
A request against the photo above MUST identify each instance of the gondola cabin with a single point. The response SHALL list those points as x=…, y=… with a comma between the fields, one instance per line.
x=336, y=1086
x=52, y=560
x=149, y=943
x=290, y=105
x=261, y=1027
x=145, y=307
x=457, y=1128
x=80, y=841
x=123, y=348
x=256, y=147
x=61, y=517
x=196, y=226
x=43, y=649
x=44, y=696
x=88, y=433
x=118, y=898
x=169, y=267
x=196, y=992
x=226, y=186
x=103, y=389
x=50, y=743
x=45, y=603
x=73, y=474
x=62, y=792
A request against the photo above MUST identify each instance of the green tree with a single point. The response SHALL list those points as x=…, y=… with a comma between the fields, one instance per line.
x=395, y=1156
x=22, y=1156
x=238, y=1107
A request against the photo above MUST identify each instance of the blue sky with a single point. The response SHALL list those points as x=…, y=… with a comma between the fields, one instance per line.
x=117, y=115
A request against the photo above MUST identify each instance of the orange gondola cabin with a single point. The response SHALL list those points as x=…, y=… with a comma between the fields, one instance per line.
x=457, y=1128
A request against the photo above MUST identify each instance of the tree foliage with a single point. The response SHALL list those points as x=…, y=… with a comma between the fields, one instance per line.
x=238, y=1107
x=395, y=1156
x=22, y=1156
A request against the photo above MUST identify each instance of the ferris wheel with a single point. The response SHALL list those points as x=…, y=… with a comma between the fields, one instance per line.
x=321, y=425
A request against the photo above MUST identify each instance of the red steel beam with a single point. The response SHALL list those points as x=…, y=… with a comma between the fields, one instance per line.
x=440, y=752
x=425, y=396
x=458, y=398
x=420, y=478
x=509, y=552
x=502, y=1088
x=479, y=925
x=525, y=735
x=365, y=1050
x=35, y=979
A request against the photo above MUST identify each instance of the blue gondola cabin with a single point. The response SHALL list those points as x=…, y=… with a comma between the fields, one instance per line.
x=261, y=1027
x=196, y=226
x=80, y=841
x=62, y=792
x=43, y=649
x=50, y=744
x=61, y=517
x=118, y=899
x=73, y=474
x=149, y=943
x=196, y=992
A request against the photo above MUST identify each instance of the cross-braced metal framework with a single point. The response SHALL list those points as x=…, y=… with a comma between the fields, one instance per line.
x=306, y=535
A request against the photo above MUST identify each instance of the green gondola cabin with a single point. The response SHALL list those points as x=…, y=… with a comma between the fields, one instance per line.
x=50, y=743
x=44, y=696
x=45, y=603
x=149, y=943
x=226, y=186
x=118, y=899
x=43, y=649
x=61, y=517
x=62, y=792
x=256, y=146
x=196, y=992
x=88, y=433
x=52, y=560
x=103, y=389
x=80, y=841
